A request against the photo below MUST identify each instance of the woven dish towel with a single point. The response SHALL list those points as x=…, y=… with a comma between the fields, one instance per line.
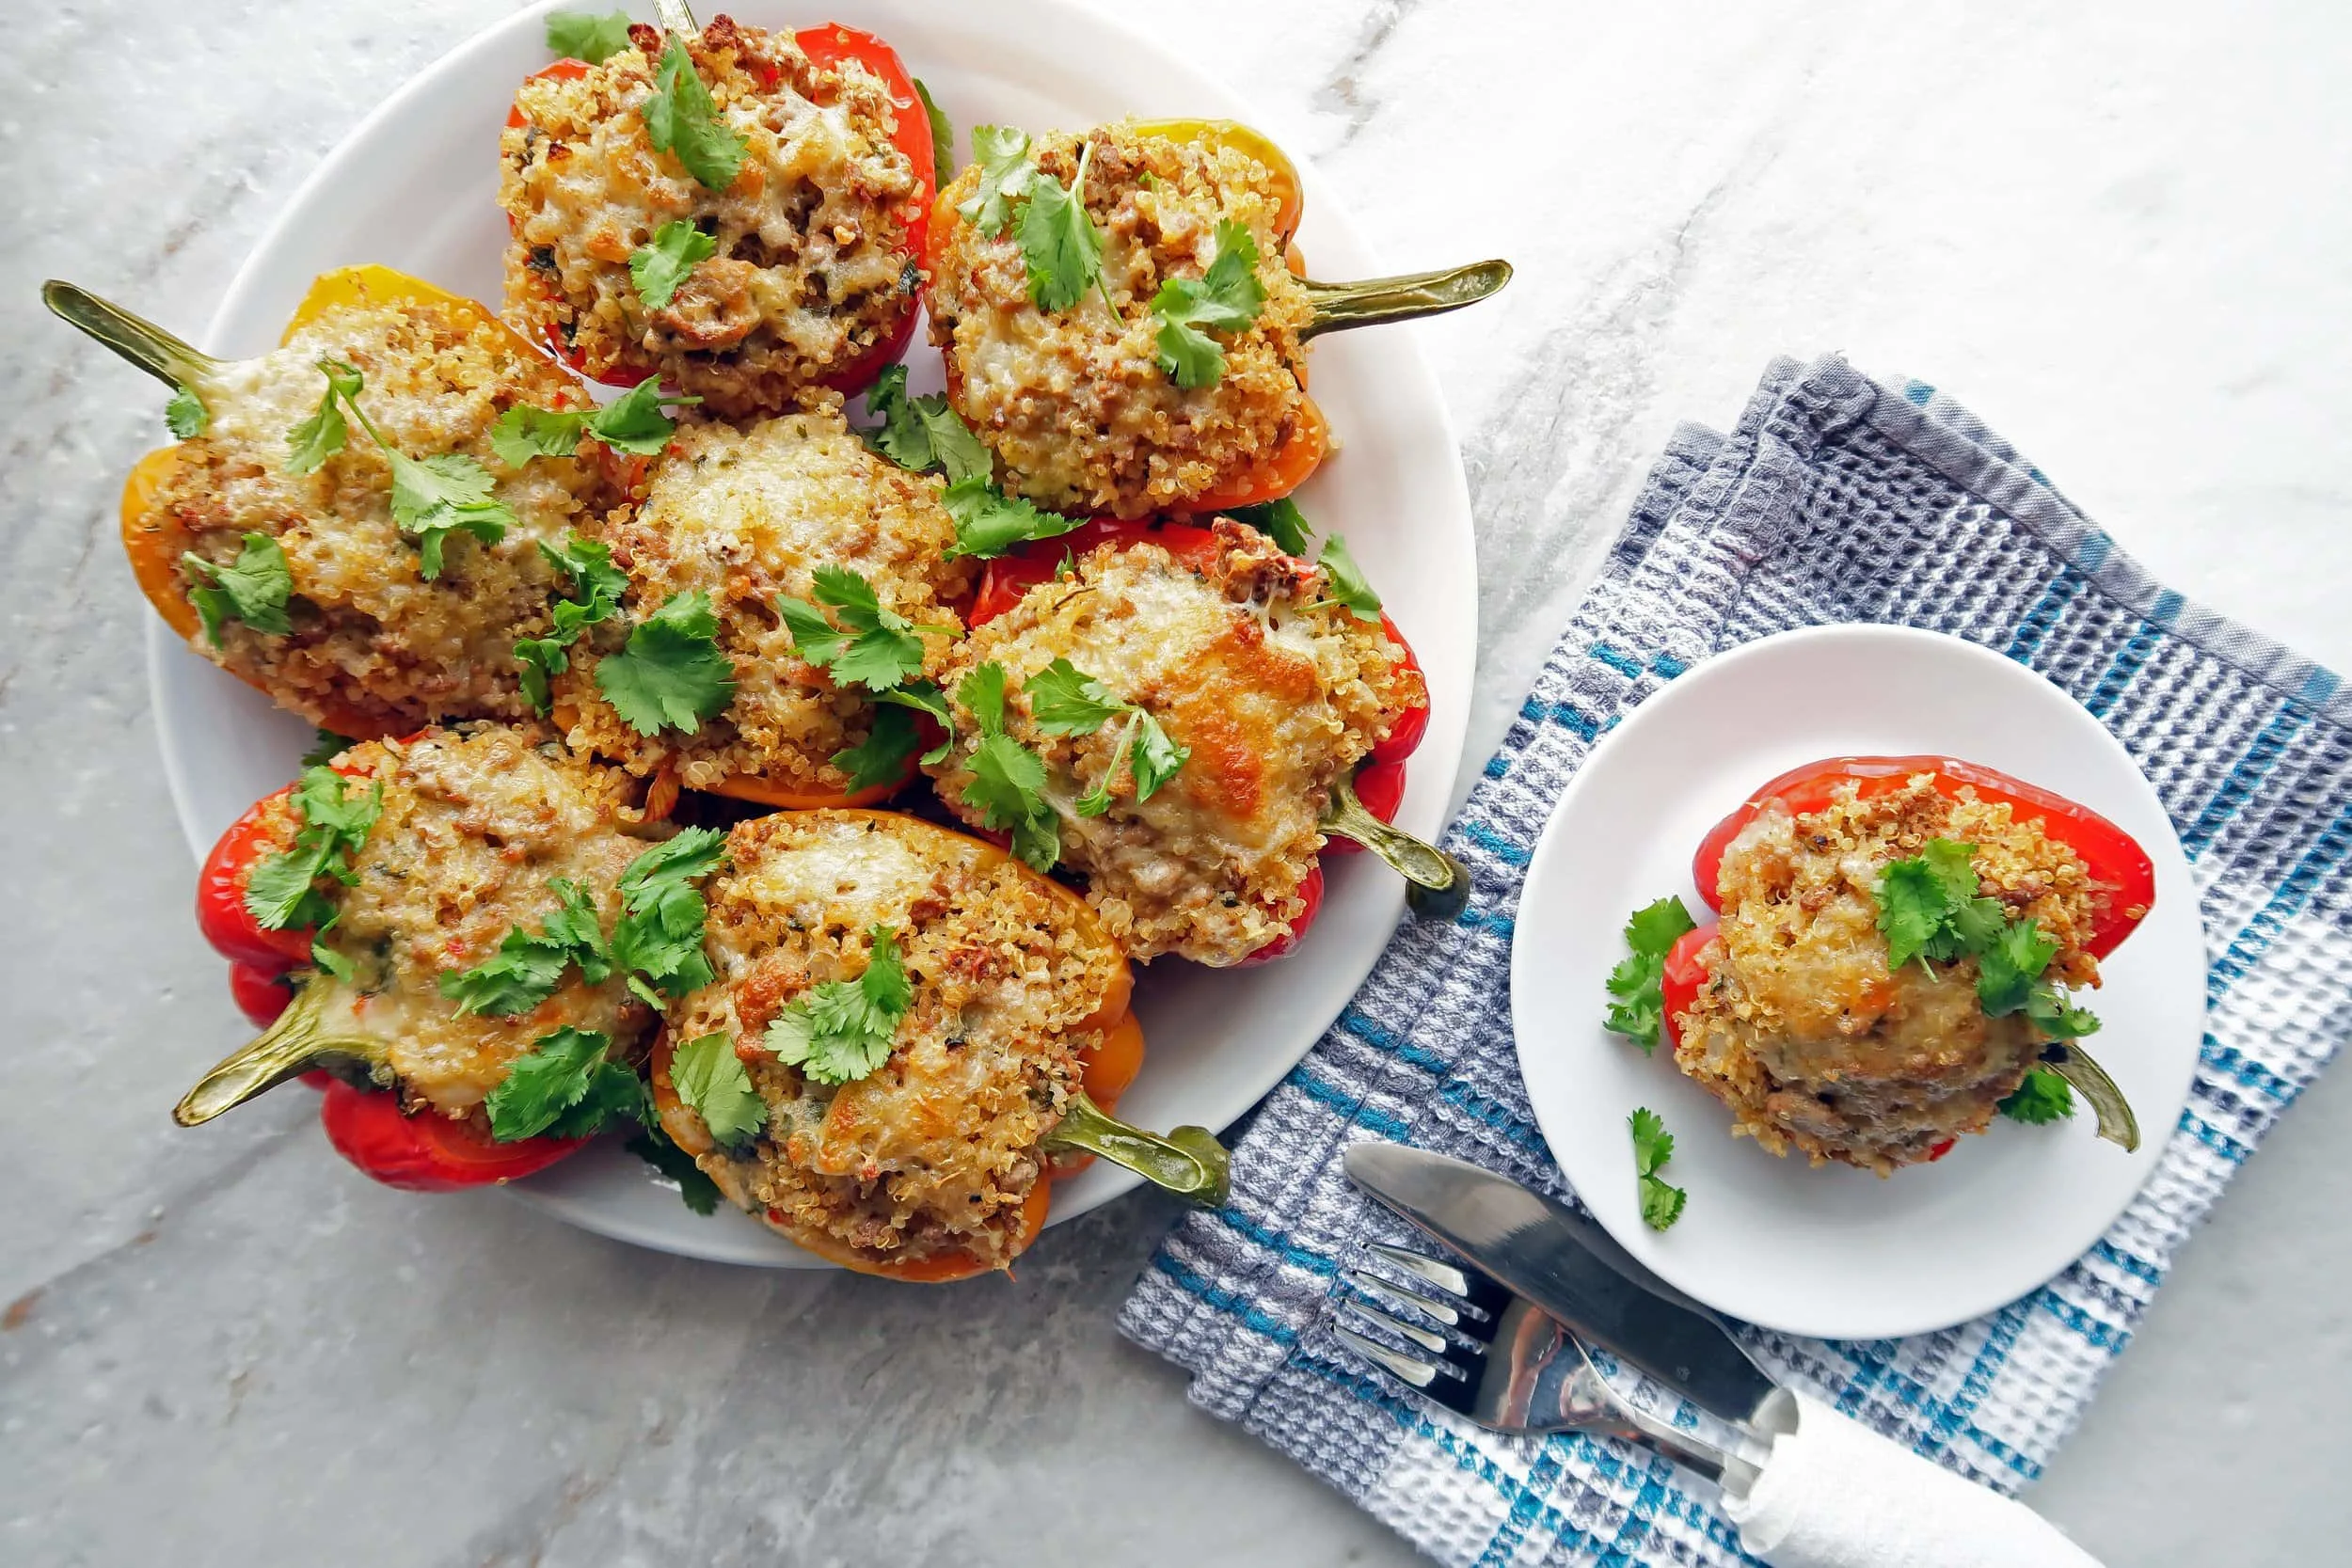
x=1835, y=500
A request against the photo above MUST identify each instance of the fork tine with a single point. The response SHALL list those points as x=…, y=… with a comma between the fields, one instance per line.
x=1429, y=1340
x=1445, y=1277
x=1419, y=1374
x=1402, y=1294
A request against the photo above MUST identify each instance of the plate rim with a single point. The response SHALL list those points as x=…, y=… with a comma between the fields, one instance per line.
x=1546, y=862
x=1440, y=758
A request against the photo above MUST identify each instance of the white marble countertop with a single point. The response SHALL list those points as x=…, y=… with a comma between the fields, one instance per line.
x=2119, y=232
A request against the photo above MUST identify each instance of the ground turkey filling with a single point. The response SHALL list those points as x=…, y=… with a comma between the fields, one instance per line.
x=374, y=645
x=745, y=516
x=812, y=269
x=476, y=825
x=1074, y=404
x=933, y=1155
x=1275, y=690
x=1802, y=1031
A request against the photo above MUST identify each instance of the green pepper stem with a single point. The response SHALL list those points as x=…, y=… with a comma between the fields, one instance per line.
x=150, y=347
x=1339, y=305
x=1188, y=1161
x=2070, y=1061
x=293, y=1045
x=1438, y=885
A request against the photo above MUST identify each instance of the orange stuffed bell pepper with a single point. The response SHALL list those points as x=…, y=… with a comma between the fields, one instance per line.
x=364, y=523
x=1122, y=322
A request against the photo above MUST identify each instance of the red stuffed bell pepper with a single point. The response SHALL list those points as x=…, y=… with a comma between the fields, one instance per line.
x=803, y=194
x=438, y=911
x=1242, y=654
x=1873, y=1017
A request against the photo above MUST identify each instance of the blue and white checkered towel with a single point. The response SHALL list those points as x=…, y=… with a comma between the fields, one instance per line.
x=1836, y=499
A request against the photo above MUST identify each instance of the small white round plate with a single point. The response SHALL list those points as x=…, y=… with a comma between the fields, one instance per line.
x=415, y=186
x=1833, y=1251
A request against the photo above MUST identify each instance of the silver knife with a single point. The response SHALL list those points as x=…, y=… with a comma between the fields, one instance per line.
x=1570, y=1268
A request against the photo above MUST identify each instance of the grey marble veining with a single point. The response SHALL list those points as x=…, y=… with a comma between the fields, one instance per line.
x=2117, y=230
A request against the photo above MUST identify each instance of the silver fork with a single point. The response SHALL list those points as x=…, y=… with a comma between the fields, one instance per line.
x=1480, y=1352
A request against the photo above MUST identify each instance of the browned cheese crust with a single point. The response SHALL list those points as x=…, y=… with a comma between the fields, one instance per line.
x=1803, y=1032
x=745, y=516
x=811, y=270
x=1075, y=405
x=1275, y=693
x=935, y=1154
x=373, y=642
x=476, y=823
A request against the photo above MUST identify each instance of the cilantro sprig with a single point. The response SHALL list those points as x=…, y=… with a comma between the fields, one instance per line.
x=874, y=645
x=712, y=1080
x=2041, y=1097
x=281, y=892
x=568, y=1086
x=1636, y=986
x=1653, y=1145
x=1346, y=581
x=325, y=746
x=653, y=1146
x=923, y=433
x=670, y=673
x=185, y=415
x=943, y=134
x=1006, y=170
x=1280, y=521
x=682, y=119
x=597, y=587
x=431, y=496
x=254, y=587
x=989, y=522
x=1059, y=243
x=1065, y=700
x=584, y=36
x=1008, y=779
x=657, y=268
x=528, y=966
x=841, y=1030
x=658, y=941
x=1226, y=297
x=632, y=422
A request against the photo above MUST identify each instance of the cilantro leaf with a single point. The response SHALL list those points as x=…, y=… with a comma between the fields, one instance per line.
x=1346, y=581
x=882, y=756
x=670, y=673
x=841, y=1030
x=325, y=746
x=583, y=36
x=1003, y=155
x=185, y=415
x=254, y=587
x=922, y=697
x=319, y=438
x=1921, y=903
x=943, y=134
x=1226, y=297
x=615, y=1097
x=556, y=1074
x=658, y=941
x=634, y=423
x=523, y=433
x=1278, y=520
x=1154, y=758
x=924, y=432
x=527, y=967
x=2056, y=1017
x=989, y=522
x=983, y=692
x=653, y=1146
x=681, y=118
x=279, y=891
x=658, y=269
x=2043, y=1096
x=1007, y=781
x=1065, y=700
x=327, y=960
x=1059, y=243
x=712, y=1080
x=2008, y=966
x=435, y=497
x=1637, y=983
x=589, y=563
x=876, y=647
x=1653, y=1145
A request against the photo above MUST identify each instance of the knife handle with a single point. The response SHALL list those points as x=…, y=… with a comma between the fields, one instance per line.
x=1834, y=1493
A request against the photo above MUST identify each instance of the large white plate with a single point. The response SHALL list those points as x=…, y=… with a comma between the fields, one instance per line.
x=1834, y=1252
x=416, y=188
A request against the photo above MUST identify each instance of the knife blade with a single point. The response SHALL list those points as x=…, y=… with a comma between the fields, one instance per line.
x=1569, y=1267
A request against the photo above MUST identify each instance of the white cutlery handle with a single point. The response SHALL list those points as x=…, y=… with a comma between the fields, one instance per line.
x=1836, y=1494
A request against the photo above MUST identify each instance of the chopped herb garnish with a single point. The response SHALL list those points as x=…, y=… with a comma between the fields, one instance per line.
x=596, y=586
x=1636, y=986
x=1065, y=700
x=839, y=1031
x=254, y=588
x=658, y=269
x=943, y=134
x=1008, y=779
x=566, y=1086
x=653, y=1146
x=632, y=422
x=714, y=1082
x=584, y=36
x=1653, y=1145
x=280, y=892
x=658, y=941
x=671, y=672
x=923, y=433
x=325, y=746
x=186, y=415
x=527, y=967
x=682, y=119
x=1059, y=243
x=989, y=522
x=875, y=646
x=1003, y=155
x=1280, y=521
x=1346, y=582
x=431, y=496
x=2043, y=1097
x=1226, y=298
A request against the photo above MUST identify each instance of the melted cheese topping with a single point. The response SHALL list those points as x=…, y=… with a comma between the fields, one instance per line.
x=373, y=642
x=1272, y=695
x=811, y=270
x=745, y=516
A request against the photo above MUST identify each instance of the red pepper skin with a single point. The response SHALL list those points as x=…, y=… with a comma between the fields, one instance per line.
x=1684, y=975
x=1312, y=890
x=1405, y=739
x=426, y=1153
x=261, y=994
x=220, y=911
x=2112, y=856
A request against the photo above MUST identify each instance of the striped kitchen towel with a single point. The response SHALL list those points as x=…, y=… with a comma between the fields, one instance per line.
x=1835, y=500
